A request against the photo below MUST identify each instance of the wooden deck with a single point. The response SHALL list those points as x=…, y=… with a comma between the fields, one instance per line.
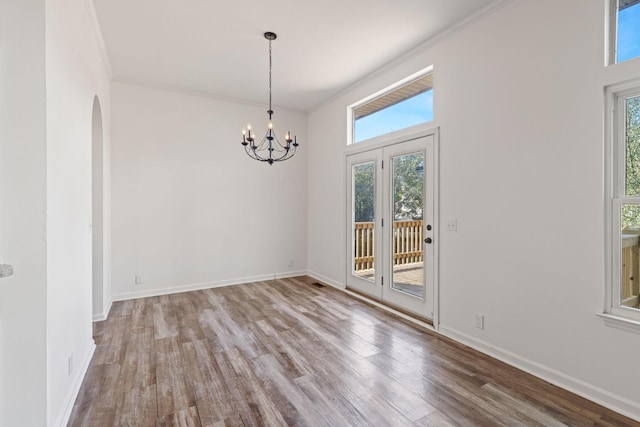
x=287, y=352
x=408, y=278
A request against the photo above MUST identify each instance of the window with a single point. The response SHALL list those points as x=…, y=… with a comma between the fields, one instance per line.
x=623, y=289
x=625, y=30
x=407, y=103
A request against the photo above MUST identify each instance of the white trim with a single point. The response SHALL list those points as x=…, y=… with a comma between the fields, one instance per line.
x=366, y=157
x=595, y=394
x=205, y=285
x=424, y=305
x=436, y=232
x=97, y=32
x=624, y=323
x=614, y=199
x=99, y=317
x=351, y=128
x=288, y=274
x=609, y=180
x=423, y=130
x=70, y=399
x=392, y=138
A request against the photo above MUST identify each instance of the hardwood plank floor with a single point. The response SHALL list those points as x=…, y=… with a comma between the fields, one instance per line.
x=285, y=352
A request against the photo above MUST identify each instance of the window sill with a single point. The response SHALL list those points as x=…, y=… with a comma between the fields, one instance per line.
x=618, y=322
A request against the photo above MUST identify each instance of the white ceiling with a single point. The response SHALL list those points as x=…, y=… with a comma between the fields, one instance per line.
x=217, y=47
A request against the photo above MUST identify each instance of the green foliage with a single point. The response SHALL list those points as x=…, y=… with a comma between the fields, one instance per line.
x=408, y=189
x=364, y=192
x=408, y=186
x=631, y=213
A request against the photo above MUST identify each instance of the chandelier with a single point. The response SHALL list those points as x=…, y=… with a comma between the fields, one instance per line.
x=270, y=149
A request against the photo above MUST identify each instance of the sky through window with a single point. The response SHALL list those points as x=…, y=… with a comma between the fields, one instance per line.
x=410, y=112
x=629, y=33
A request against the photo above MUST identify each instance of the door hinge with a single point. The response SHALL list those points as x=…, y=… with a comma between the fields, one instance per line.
x=382, y=219
x=382, y=164
x=382, y=277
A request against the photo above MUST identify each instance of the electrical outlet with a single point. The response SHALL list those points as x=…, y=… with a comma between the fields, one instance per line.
x=291, y=262
x=479, y=321
x=452, y=225
x=70, y=365
x=139, y=279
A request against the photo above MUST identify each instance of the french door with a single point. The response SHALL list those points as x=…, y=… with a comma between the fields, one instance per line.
x=391, y=235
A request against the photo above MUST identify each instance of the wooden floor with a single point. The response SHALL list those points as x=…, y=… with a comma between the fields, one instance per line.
x=286, y=352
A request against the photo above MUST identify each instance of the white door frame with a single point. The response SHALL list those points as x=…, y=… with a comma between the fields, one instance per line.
x=371, y=288
x=393, y=139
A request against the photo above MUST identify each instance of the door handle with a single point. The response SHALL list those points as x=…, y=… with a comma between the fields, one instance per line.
x=428, y=240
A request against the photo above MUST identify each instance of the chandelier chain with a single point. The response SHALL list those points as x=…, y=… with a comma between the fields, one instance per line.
x=270, y=109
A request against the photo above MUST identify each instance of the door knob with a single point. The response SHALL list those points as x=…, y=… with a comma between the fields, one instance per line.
x=428, y=240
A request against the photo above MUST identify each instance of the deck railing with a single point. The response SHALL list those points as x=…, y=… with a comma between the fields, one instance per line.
x=407, y=244
x=364, y=245
x=630, y=286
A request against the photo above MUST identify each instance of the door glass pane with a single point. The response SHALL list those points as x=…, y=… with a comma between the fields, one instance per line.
x=408, y=205
x=364, y=194
x=630, y=256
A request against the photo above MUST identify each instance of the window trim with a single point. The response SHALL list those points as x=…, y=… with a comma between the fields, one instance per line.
x=404, y=82
x=614, y=313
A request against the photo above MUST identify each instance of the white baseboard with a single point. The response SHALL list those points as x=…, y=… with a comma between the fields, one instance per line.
x=325, y=279
x=291, y=274
x=607, y=399
x=99, y=317
x=206, y=285
x=63, y=417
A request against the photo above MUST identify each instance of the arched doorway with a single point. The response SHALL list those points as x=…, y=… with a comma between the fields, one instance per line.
x=97, y=208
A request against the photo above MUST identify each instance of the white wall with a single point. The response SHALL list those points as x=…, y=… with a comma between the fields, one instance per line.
x=519, y=102
x=190, y=208
x=22, y=213
x=75, y=75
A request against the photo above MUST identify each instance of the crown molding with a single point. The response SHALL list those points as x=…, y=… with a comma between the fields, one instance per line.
x=430, y=42
x=97, y=32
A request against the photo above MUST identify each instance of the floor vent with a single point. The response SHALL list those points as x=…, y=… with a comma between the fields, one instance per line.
x=318, y=285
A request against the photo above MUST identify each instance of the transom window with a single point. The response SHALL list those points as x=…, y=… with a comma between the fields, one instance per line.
x=625, y=30
x=624, y=283
x=405, y=104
